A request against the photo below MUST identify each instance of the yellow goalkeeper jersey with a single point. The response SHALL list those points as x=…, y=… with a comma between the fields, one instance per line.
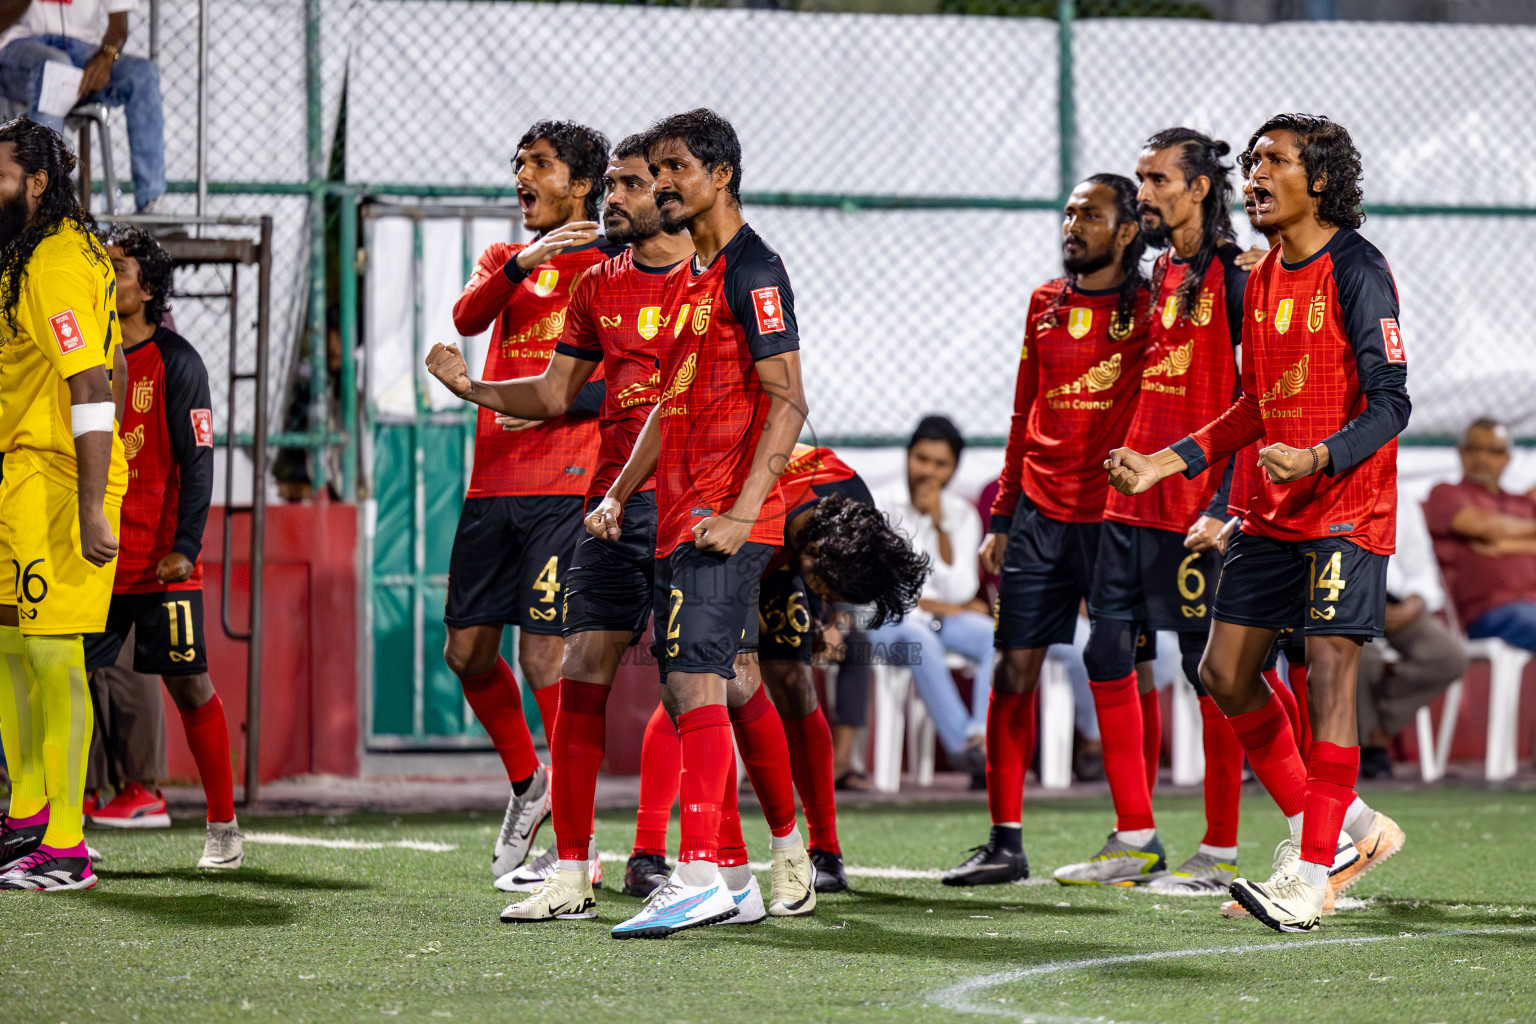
x=66, y=322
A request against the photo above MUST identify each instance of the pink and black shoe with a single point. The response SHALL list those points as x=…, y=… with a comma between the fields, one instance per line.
x=18, y=841
x=51, y=870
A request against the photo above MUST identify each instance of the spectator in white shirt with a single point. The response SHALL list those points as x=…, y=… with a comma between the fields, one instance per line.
x=952, y=616
x=90, y=34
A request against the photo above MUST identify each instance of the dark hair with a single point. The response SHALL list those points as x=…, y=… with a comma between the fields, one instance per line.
x=863, y=559
x=1199, y=157
x=637, y=144
x=40, y=148
x=156, y=271
x=938, y=428
x=583, y=150
x=1327, y=152
x=709, y=137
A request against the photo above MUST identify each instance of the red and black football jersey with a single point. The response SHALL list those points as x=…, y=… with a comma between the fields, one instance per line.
x=1189, y=378
x=614, y=317
x=528, y=310
x=1079, y=372
x=725, y=318
x=809, y=466
x=1323, y=362
x=167, y=433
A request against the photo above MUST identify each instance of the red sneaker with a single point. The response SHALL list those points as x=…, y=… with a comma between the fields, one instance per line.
x=88, y=804
x=132, y=807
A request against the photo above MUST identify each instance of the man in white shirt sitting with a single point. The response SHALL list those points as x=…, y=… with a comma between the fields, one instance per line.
x=90, y=35
x=951, y=616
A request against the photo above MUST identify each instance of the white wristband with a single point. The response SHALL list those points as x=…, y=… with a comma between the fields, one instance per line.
x=85, y=419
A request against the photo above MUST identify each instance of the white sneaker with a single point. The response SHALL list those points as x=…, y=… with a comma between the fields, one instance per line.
x=676, y=906
x=1288, y=861
x=542, y=868
x=749, y=903
x=520, y=825
x=564, y=896
x=224, y=849
x=1286, y=904
x=793, y=883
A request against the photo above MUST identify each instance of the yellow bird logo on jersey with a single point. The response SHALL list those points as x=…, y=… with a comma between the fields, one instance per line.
x=1175, y=364
x=1098, y=378
x=143, y=395
x=1283, y=315
x=1079, y=322
x=133, y=440
x=683, y=379
x=649, y=322
x=1290, y=383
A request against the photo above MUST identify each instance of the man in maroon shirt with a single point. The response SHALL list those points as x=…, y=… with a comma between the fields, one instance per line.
x=1079, y=374
x=522, y=512
x=1485, y=541
x=1324, y=385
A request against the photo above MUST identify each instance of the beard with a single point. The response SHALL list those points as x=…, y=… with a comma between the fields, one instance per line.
x=627, y=228
x=1156, y=236
x=1087, y=264
x=673, y=219
x=13, y=218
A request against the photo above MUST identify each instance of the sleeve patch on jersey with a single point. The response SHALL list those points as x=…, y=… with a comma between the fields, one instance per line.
x=769, y=310
x=1393, y=338
x=202, y=427
x=66, y=331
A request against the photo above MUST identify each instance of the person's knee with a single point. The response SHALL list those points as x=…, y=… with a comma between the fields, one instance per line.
x=539, y=658
x=583, y=657
x=1109, y=653
x=189, y=692
x=136, y=70
x=467, y=655
x=1019, y=670
x=1220, y=680
x=791, y=687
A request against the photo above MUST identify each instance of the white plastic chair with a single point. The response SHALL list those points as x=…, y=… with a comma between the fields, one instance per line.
x=1506, y=667
x=1055, y=734
x=1188, y=735
x=899, y=716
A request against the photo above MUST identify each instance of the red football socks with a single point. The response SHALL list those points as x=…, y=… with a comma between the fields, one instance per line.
x=1223, y=775
x=495, y=700
x=733, y=848
x=1120, y=730
x=1331, y=775
x=548, y=700
x=1266, y=735
x=765, y=751
x=661, y=764
x=708, y=757
x=1010, y=745
x=576, y=754
x=1152, y=737
x=810, y=762
x=1298, y=676
x=1287, y=700
x=208, y=736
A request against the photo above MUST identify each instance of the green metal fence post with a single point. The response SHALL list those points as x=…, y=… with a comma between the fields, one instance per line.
x=314, y=117
x=1066, y=104
x=347, y=294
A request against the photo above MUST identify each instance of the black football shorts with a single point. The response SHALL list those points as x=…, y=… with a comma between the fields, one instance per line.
x=1333, y=586
x=167, y=633
x=609, y=587
x=1047, y=571
x=1147, y=575
x=509, y=561
x=706, y=608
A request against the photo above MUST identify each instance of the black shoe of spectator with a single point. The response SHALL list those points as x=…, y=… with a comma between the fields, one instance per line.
x=989, y=864
x=830, y=876
x=644, y=873
x=1088, y=761
x=974, y=761
x=1375, y=763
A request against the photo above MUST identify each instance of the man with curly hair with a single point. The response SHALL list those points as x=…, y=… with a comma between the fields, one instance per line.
x=1324, y=388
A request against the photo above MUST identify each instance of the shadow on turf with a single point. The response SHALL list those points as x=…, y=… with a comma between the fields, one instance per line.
x=244, y=877
x=198, y=908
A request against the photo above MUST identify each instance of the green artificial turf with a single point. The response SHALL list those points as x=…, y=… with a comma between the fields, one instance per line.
x=313, y=934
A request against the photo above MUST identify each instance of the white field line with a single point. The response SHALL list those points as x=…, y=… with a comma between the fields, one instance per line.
x=966, y=996
x=287, y=839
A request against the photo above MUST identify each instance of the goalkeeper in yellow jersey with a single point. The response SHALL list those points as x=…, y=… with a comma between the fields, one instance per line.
x=63, y=486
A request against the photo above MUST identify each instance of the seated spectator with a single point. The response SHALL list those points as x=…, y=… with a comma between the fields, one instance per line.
x=1485, y=541
x=90, y=34
x=951, y=615
x=1389, y=693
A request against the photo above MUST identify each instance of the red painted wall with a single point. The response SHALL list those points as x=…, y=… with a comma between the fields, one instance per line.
x=309, y=713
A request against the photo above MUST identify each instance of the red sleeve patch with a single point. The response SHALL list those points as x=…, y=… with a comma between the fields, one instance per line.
x=66, y=331
x=202, y=427
x=770, y=312
x=1393, y=339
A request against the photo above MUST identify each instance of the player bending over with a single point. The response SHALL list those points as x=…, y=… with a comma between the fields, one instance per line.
x=1324, y=387
x=60, y=501
x=167, y=432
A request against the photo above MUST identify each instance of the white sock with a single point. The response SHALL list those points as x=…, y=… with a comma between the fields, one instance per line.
x=737, y=876
x=1137, y=837
x=1359, y=819
x=1294, y=822
x=572, y=865
x=786, y=842
x=698, y=873
x=1313, y=874
x=1221, y=853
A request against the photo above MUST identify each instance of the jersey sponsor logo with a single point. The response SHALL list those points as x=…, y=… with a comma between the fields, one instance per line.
x=1290, y=383
x=66, y=331
x=1079, y=322
x=545, y=329
x=769, y=310
x=1170, y=311
x=1393, y=338
x=143, y=395
x=1341, y=527
x=611, y=321
x=1315, y=312
x=641, y=392
x=202, y=427
x=682, y=380
x=1204, y=309
x=701, y=314
x=649, y=322
x=1097, y=378
x=133, y=440
x=1283, y=315
x=1175, y=364
x=545, y=283
x=682, y=319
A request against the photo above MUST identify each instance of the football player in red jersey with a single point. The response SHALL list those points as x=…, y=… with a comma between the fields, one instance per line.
x=1324, y=386
x=612, y=323
x=167, y=429
x=522, y=512
x=731, y=407
x=1157, y=552
x=1079, y=373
